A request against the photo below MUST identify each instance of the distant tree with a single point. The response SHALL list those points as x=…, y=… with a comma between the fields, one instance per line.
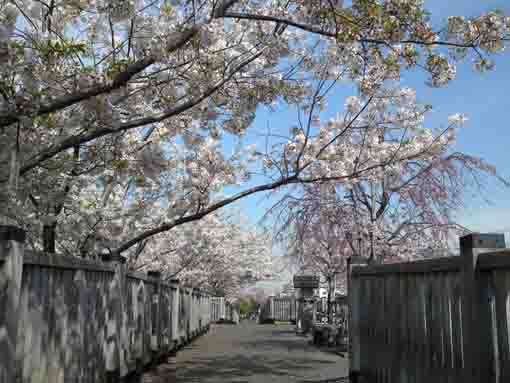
x=247, y=305
x=386, y=216
x=214, y=254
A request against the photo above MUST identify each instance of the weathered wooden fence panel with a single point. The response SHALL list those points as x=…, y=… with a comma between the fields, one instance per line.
x=441, y=320
x=279, y=309
x=221, y=310
x=284, y=309
x=217, y=309
x=495, y=284
x=11, y=265
x=65, y=319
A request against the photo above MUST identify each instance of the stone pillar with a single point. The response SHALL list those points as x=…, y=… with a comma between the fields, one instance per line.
x=476, y=341
x=116, y=332
x=12, y=241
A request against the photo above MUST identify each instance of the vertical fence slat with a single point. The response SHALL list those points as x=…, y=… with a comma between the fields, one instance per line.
x=457, y=326
x=476, y=360
x=413, y=327
x=446, y=287
x=420, y=338
x=11, y=265
x=441, y=320
x=65, y=319
x=502, y=288
x=487, y=345
x=393, y=326
x=405, y=351
x=441, y=328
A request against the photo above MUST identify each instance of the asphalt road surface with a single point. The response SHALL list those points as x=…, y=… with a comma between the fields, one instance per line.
x=251, y=353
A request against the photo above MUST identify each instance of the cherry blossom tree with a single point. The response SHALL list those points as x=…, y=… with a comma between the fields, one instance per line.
x=215, y=254
x=412, y=211
x=66, y=73
x=390, y=215
x=319, y=241
x=112, y=113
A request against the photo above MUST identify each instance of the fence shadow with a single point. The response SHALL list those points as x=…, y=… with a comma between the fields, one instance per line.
x=234, y=368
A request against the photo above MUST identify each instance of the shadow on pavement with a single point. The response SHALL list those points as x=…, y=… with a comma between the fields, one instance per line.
x=251, y=354
x=228, y=367
x=343, y=379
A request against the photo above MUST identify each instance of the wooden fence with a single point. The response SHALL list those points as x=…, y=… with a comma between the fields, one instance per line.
x=437, y=320
x=222, y=310
x=279, y=309
x=65, y=319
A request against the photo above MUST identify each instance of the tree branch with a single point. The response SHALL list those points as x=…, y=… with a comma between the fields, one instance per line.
x=120, y=80
x=334, y=34
x=92, y=135
x=194, y=217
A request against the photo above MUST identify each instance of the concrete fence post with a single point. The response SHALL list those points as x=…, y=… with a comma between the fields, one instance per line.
x=12, y=241
x=476, y=359
x=155, y=310
x=116, y=333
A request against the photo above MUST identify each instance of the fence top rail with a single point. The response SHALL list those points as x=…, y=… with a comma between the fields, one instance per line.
x=143, y=277
x=420, y=266
x=499, y=259
x=74, y=263
x=64, y=262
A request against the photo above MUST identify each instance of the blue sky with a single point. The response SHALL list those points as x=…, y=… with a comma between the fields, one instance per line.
x=484, y=98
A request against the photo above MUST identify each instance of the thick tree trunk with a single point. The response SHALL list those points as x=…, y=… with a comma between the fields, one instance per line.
x=49, y=237
x=330, y=292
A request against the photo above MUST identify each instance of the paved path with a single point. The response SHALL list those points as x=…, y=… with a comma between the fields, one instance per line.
x=250, y=353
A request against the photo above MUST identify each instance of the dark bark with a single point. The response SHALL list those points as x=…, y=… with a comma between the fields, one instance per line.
x=330, y=290
x=49, y=237
x=334, y=34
